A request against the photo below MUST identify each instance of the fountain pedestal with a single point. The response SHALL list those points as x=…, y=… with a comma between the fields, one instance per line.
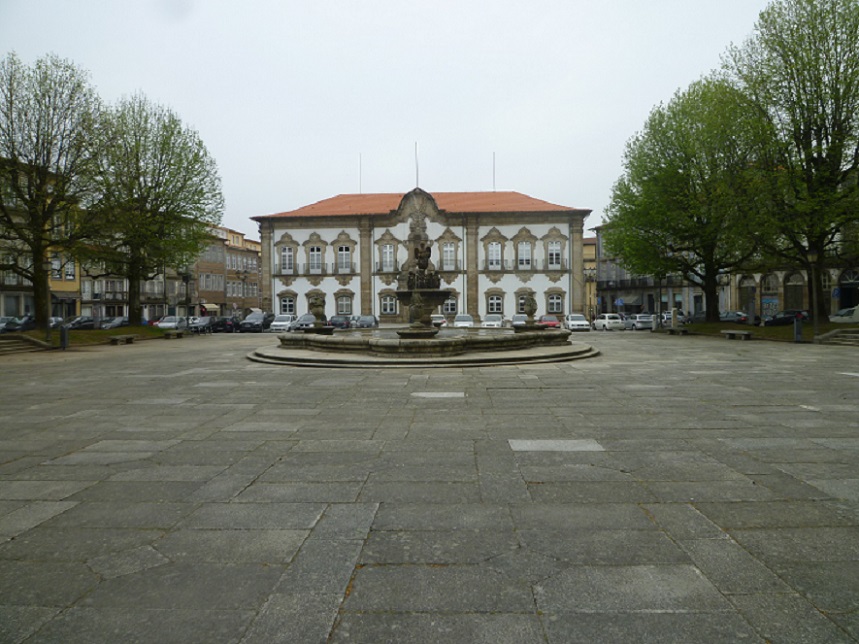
x=421, y=303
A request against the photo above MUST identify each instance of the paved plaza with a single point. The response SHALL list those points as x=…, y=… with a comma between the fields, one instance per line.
x=672, y=489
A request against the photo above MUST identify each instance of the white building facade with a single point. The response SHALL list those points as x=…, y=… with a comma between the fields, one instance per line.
x=490, y=248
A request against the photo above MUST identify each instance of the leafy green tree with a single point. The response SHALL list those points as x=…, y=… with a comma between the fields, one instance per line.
x=48, y=116
x=684, y=201
x=160, y=194
x=801, y=70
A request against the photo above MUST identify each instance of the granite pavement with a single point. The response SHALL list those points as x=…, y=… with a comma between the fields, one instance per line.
x=672, y=489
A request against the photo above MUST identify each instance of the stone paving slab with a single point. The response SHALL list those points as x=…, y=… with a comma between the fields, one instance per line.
x=669, y=490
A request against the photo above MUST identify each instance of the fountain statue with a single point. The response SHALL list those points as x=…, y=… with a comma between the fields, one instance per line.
x=418, y=285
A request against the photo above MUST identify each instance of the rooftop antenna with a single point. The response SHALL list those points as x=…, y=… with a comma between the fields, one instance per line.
x=493, y=172
x=417, y=169
x=360, y=176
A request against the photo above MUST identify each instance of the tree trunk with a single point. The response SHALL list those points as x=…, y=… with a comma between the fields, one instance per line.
x=711, y=298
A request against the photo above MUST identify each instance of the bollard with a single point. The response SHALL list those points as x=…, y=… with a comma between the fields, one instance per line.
x=64, y=337
x=797, y=329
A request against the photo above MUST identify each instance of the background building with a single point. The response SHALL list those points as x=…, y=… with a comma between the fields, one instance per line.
x=491, y=248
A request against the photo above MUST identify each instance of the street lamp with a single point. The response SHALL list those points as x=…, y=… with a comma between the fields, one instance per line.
x=48, y=265
x=812, y=259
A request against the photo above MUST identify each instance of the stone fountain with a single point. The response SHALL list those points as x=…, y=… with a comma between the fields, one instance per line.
x=418, y=285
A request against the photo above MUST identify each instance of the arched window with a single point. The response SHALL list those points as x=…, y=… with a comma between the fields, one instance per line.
x=287, y=305
x=389, y=305
x=495, y=304
x=344, y=305
x=794, y=289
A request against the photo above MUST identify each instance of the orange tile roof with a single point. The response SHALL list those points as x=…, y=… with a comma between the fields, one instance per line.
x=459, y=202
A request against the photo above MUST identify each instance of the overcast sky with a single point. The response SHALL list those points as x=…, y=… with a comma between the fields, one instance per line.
x=301, y=100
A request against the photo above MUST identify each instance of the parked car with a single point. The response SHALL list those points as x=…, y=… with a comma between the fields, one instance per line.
x=340, y=321
x=56, y=322
x=608, y=322
x=492, y=321
x=627, y=321
x=23, y=323
x=737, y=317
x=306, y=321
x=846, y=316
x=256, y=322
x=3, y=320
x=786, y=317
x=172, y=322
x=225, y=324
x=463, y=321
x=549, y=321
x=114, y=323
x=281, y=323
x=519, y=319
x=641, y=321
x=201, y=325
x=576, y=322
x=367, y=322
x=80, y=323
x=438, y=320
x=699, y=317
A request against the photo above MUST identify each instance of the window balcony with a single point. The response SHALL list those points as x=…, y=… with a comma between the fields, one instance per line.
x=284, y=269
x=386, y=267
x=344, y=268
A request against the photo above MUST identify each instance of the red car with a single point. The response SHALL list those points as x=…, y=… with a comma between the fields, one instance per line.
x=549, y=321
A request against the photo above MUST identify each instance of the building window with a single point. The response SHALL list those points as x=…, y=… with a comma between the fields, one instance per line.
x=388, y=264
x=287, y=305
x=554, y=255
x=344, y=259
x=555, y=304
x=287, y=259
x=344, y=305
x=495, y=304
x=449, y=306
x=524, y=258
x=389, y=305
x=494, y=256
x=315, y=258
x=448, y=256
x=56, y=267
x=520, y=304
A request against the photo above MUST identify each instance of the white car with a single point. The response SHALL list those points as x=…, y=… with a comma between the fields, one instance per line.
x=463, y=321
x=608, y=322
x=492, y=321
x=641, y=321
x=438, y=320
x=281, y=323
x=576, y=322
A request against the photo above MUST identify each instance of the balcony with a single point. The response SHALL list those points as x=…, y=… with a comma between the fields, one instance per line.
x=284, y=269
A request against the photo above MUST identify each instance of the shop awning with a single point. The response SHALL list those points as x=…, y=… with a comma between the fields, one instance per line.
x=631, y=300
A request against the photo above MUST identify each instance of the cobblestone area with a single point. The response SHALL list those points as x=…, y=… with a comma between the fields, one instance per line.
x=673, y=489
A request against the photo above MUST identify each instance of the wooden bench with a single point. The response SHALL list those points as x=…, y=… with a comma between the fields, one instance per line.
x=173, y=333
x=742, y=335
x=676, y=330
x=122, y=339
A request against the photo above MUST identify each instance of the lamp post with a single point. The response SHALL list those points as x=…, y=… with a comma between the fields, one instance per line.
x=48, y=265
x=812, y=259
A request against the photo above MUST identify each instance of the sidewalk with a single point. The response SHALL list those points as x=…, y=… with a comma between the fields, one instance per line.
x=673, y=489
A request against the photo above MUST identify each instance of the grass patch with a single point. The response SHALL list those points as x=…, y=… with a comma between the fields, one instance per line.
x=97, y=336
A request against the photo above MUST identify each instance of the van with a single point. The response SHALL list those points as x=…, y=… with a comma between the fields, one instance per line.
x=846, y=316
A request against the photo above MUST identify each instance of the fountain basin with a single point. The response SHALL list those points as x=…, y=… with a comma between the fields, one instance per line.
x=361, y=349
